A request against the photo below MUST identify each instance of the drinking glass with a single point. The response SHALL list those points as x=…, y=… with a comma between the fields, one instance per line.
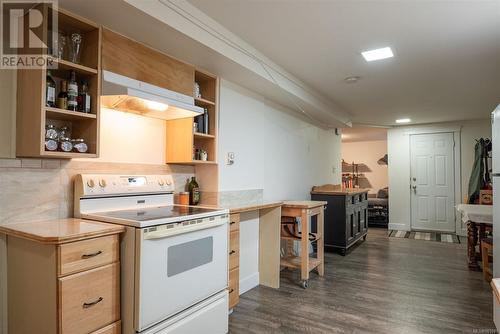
x=61, y=44
x=75, y=47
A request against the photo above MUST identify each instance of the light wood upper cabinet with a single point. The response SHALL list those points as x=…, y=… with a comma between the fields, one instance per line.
x=183, y=139
x=132, y=59
x=32, y=112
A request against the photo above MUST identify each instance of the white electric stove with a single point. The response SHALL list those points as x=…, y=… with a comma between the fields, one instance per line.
x=174, y=258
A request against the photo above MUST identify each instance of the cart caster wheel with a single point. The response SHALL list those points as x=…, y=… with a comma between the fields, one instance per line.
x=304, y=284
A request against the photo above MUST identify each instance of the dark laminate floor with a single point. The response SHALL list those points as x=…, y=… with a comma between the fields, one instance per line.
x=382, y=286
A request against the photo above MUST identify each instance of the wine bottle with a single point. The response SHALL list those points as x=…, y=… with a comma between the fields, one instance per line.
x=62, y=97
x=50, y=91
x=84, y=99
x=194, y=192
x=73, y=92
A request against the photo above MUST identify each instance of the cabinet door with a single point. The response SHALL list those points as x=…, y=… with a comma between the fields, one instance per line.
x=365, y=218
x=350, y=225
x=357, y=222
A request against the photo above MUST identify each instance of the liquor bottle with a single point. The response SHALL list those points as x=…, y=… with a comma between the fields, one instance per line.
x=84, y=99
x=50, y=91
x=72, y=92
x=62, y=98
x=194, y=192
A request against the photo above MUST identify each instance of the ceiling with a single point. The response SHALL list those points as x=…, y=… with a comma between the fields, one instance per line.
x=447, y=53
x=356, y=134
x=120, y=16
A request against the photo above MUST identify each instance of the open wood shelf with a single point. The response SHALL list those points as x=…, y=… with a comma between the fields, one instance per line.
x=67, y=115
x=195, y=162
x=203, y=135
x=203, y=102
x=295, y=262
x=67, y=155
x=183, y=139
x=67, y=65
x=32, y=113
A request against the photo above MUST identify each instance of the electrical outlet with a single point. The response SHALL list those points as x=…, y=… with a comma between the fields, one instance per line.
x=230, y=158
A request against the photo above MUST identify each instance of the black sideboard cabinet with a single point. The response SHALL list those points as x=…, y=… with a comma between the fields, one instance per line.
x=346, y=218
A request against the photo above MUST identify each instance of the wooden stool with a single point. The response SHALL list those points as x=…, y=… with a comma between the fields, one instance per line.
x=486, y=249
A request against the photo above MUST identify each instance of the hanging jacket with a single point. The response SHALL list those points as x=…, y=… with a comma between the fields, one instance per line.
x=476, y=181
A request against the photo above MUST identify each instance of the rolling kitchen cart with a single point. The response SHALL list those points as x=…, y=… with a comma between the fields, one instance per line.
x=304, y=210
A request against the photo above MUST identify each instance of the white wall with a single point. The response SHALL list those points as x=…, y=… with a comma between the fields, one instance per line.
x=398, y=140
x=275, y=150
x=369, y=152
x=249, y=251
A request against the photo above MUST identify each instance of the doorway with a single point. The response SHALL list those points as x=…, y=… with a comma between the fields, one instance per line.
x=432, y=184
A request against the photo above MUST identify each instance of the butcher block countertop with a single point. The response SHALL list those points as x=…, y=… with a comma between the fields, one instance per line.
x=60, y=231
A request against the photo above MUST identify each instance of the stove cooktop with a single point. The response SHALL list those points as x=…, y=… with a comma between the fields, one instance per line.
x=156, y=215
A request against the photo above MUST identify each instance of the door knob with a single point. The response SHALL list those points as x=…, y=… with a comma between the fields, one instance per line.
x=414, y=189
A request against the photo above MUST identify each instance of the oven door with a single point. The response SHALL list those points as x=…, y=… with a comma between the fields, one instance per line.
x=178, y=271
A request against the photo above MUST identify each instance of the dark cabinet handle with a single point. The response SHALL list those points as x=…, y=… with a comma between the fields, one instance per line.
x=88, y=256
x=87, y=305
x=231, y=223
x=232, y=252
x=231, y=291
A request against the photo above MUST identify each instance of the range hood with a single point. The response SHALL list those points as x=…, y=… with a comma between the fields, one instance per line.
x=125, y=94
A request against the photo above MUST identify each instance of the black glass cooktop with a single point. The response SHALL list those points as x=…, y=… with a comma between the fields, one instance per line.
x=162, y=212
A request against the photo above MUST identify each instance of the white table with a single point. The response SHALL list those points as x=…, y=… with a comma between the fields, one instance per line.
x=475, y=215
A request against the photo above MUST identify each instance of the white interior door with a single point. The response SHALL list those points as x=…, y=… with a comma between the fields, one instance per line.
x=432, y=182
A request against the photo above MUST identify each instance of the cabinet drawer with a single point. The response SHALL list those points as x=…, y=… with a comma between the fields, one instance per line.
x=234, y=222
x=90, y=300
x=115, y=328
x=83, y=255
x=234, y=287
x=234, y=249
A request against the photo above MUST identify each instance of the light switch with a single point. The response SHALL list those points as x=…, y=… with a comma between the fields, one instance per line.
x=230, y=158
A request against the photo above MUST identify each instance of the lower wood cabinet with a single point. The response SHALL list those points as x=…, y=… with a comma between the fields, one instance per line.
x=234, y=260
x=71, y=288
x=90, y=299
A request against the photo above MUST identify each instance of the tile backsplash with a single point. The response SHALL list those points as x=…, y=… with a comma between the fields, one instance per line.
x=41, y=189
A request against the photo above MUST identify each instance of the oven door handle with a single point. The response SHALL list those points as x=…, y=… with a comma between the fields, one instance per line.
x=165, y=233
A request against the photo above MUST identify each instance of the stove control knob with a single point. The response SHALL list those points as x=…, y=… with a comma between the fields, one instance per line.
x=169, y=182
x=161, y=182
x=90, y=183
x=102, y=183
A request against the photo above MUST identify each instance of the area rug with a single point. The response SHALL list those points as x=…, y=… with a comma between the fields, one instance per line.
x=429, y=236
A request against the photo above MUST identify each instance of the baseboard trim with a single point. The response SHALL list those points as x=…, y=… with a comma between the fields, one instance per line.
x=399, y=227
x=248, y=283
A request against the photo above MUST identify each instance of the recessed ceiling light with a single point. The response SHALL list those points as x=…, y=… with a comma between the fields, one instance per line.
x=352, y=79
x=377, y=54
x=403, y=120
